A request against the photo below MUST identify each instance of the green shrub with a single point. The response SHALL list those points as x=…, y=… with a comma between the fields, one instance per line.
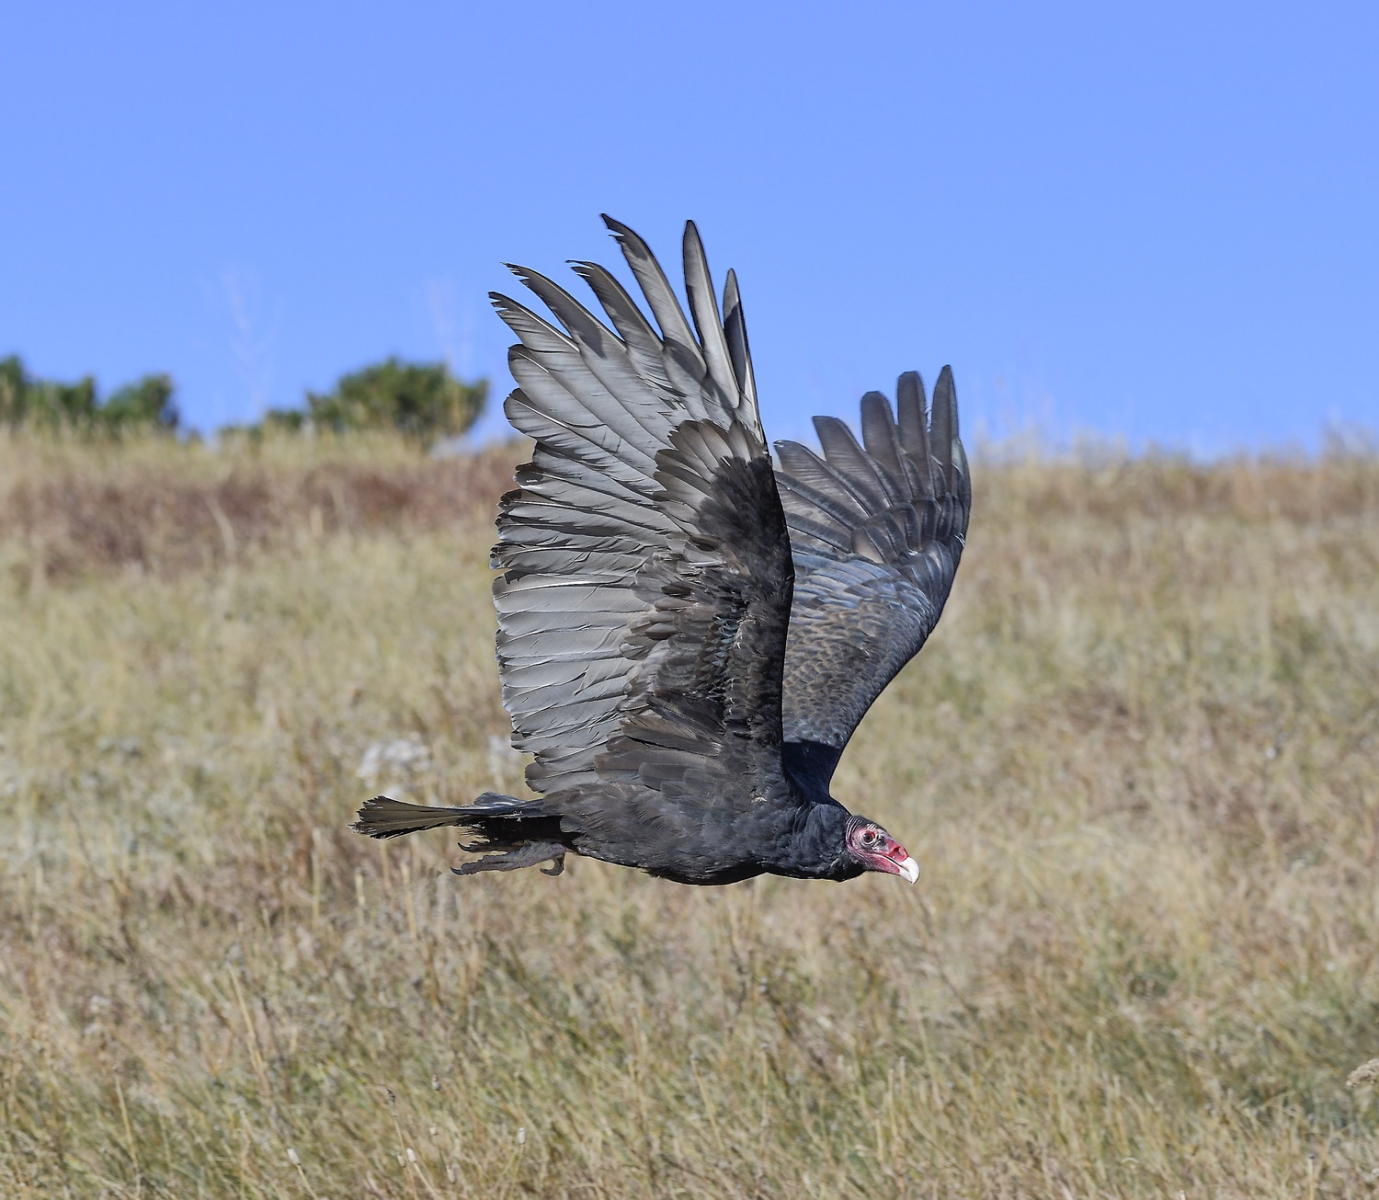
x=421, y=400
x=30, y=403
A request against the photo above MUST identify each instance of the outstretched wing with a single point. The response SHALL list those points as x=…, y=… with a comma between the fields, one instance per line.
x=646, y=573
x=877, y=530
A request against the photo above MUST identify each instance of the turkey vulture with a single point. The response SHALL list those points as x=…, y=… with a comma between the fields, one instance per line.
x=653, y=563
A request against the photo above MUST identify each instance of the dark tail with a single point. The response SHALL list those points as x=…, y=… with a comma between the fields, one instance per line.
x=521, y=828
x=384, y=817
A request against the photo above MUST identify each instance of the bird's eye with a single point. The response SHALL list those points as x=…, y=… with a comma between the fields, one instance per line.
x=869, y=836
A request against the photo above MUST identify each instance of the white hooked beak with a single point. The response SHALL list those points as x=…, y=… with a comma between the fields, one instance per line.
x=909, y=869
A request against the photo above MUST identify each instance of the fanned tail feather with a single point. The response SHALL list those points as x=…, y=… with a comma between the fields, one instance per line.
x=521, y=830
x=384, y=817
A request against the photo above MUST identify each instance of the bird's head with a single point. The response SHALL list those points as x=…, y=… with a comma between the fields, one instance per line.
x=876, y=850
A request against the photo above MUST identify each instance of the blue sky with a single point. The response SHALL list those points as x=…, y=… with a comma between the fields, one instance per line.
x=1149, y=222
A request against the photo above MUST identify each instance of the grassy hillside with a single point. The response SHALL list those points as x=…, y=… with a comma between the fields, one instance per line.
x=1138, y=764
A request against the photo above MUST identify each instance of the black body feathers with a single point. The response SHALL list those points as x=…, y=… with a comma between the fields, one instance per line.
x=687, y=633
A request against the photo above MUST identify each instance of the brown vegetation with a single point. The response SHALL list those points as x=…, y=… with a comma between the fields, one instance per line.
x=1137, y=763
x=77, y=508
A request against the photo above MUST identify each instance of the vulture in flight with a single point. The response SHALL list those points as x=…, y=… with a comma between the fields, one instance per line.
x=689, y=632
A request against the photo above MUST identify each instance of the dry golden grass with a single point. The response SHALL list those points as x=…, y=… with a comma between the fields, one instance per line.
x=1138, y=764
x=81, y=506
